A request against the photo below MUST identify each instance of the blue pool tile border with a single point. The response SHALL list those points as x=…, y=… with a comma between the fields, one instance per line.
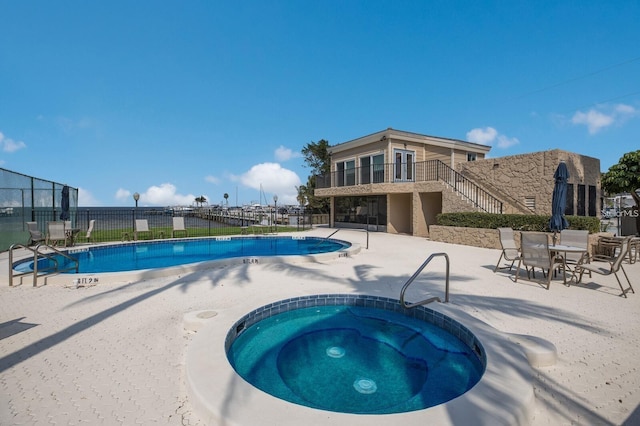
x=361, y=300
x=143, y=245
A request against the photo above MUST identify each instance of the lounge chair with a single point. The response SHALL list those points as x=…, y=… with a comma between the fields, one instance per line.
x=535, y=253
x=613, y=266
x=35, y=236
x=178, y=226
x=509, y=248
x=142, y=226
x=56, y=234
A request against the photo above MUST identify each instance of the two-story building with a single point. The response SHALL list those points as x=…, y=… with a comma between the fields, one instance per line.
x=397, y=181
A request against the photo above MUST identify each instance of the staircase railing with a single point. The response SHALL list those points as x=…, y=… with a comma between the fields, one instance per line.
x=468, y=189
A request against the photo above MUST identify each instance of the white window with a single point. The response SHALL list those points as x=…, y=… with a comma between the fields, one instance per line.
x=471, y=156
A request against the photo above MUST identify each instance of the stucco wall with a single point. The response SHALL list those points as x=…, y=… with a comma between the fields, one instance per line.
x=400, y=208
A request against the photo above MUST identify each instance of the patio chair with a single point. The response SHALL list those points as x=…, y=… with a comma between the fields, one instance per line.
x=509, y=248
x=535, y=253
x=575, y=238
x=35, y=236
x=614, y=265
x=634, y=248
x=142, y=226
x=56, y=234
x=178, y=226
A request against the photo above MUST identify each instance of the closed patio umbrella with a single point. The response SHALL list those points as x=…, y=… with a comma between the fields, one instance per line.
x=558, y=222
x=64, y=203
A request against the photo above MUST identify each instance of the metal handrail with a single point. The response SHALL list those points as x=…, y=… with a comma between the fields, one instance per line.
x=334, y=232
x=326, y=238
x=415, y=275
x=37, y=254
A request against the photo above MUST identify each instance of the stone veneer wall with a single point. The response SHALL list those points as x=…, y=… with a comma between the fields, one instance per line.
x=531, y=175
x=487, y=238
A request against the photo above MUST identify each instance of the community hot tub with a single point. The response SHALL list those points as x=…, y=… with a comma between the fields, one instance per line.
x=356, y=359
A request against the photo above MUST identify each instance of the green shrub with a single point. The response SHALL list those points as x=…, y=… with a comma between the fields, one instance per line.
x=515, y=221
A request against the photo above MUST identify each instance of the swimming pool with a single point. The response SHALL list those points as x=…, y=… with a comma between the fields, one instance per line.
x=355, y=359
x=168, y=253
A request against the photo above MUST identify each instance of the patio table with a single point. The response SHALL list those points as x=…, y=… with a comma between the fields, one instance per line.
x=563, y=249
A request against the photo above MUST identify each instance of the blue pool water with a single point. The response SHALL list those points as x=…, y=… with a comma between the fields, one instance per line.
x=166, y=253
x=353, y=359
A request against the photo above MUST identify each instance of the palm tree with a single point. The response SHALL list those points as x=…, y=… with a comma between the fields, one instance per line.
x=201, y=200
x=226, y=199
x=301, y=194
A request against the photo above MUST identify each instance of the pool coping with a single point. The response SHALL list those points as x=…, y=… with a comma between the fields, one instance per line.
x=504, y=394
x=179, y=270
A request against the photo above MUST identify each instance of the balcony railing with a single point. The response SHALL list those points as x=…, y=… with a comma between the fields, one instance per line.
x=425, y=171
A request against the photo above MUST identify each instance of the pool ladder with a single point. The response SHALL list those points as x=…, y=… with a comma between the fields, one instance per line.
x=38, y=255
x=415, y=275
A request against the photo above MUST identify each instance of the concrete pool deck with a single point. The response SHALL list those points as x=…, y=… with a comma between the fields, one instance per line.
x=114, y=353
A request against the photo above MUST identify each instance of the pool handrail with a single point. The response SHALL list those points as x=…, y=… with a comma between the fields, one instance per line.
x=336, y=231
x=37, y=254
x=327, y=237
x=415, y=275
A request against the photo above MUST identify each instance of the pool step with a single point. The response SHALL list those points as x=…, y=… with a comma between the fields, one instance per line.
x=539, y=352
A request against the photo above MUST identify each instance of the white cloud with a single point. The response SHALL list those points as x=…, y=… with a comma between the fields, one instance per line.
x=86, y=198
x=273, y=179
x=603, y=116
x=162, y=195
x=212, y=179
x=505, y=142
x=9, y=145
x=594, y=120
x=165, y=194
x=625, y=109
x=490, y=136
x=123, y=194
x=483, y=136
x=285, y=154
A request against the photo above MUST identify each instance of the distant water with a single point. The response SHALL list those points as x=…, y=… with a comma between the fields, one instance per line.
x=107, y=217
x=114, y=217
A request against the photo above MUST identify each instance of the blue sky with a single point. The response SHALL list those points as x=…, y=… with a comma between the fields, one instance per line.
x=180, y=99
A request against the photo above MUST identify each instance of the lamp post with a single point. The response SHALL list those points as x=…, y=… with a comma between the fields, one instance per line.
x=136, y=197
x=275, y=208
